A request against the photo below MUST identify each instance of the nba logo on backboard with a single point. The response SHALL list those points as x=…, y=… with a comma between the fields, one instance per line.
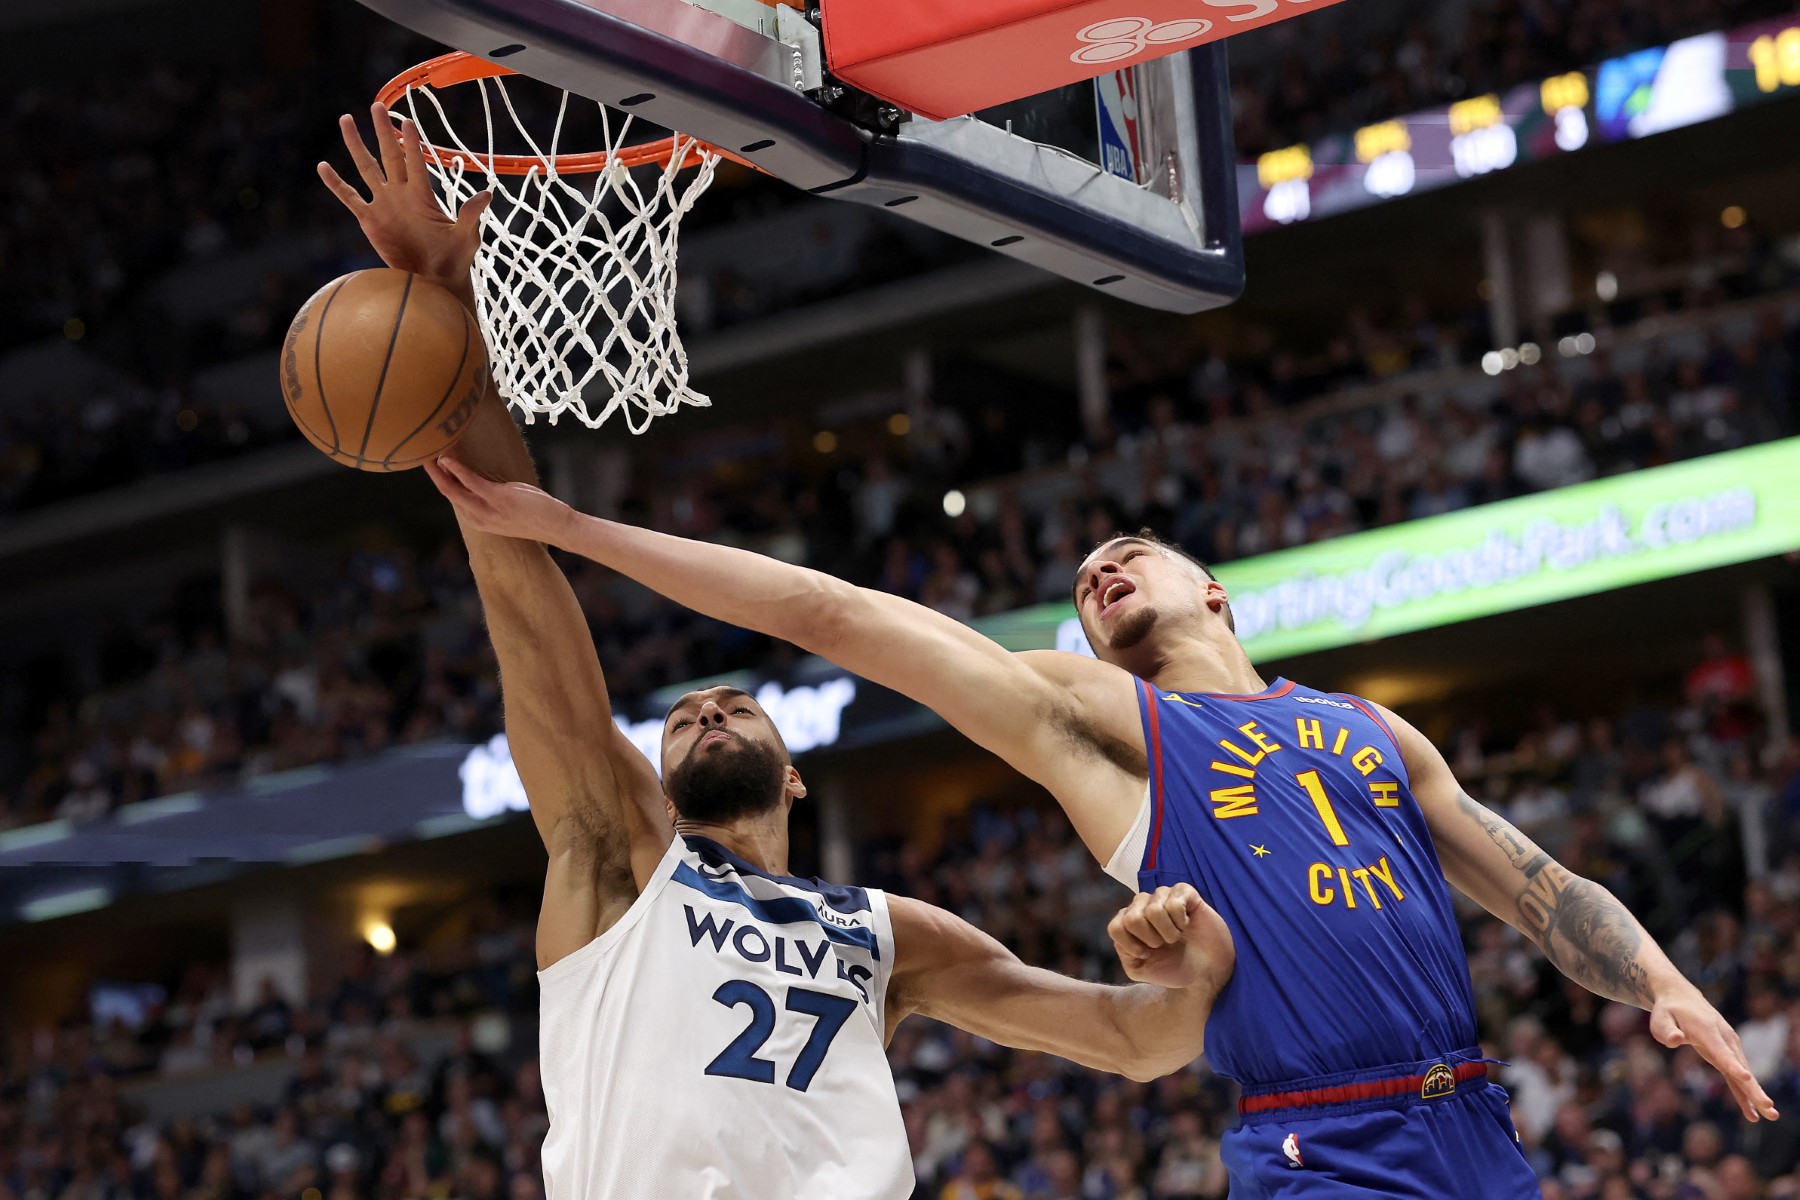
x=1116, y=105
x=1440, y=1081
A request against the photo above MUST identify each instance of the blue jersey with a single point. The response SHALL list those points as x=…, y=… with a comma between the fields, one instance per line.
x=1291, y=812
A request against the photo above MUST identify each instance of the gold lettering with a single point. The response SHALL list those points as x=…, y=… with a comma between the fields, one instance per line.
x=1310, y=733
x=1349, y=896
x=1366, y=759
x=1234, y=802
x=1362, y=877
x=1233, y=769
x=1242, y=753
x=1386, y=795
x=1343, y=736
x=1385, y=873
x=1315, y=875
x=1249, y=730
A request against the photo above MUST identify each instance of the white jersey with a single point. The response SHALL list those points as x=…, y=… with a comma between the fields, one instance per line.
x=724, y=1041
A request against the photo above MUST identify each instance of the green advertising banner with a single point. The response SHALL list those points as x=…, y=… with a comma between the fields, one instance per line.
x=1593, y=537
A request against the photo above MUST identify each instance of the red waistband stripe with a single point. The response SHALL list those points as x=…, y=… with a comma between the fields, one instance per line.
x=1428, y=1085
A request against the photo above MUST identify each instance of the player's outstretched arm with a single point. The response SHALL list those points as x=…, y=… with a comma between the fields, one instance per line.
x=1068, y=722
x=1579, y=925
x=1171, y=941
x=595, y=799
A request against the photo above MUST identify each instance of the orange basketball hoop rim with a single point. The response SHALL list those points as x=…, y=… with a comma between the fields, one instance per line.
x=447, y=70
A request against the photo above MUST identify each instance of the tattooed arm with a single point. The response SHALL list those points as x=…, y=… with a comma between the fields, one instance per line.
x=1580, y=926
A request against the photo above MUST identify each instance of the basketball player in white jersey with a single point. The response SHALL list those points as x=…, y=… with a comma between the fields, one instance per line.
x=711, y=1026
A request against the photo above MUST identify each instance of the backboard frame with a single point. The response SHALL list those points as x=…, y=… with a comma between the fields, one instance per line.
x=1173, y=245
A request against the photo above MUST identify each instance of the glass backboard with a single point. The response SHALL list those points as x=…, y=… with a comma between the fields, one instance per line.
x=1125, y=183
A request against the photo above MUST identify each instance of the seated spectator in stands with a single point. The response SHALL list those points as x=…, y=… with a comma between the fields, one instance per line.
x=978, y=1177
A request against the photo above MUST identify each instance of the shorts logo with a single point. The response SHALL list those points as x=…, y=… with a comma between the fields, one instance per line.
x=1127, y=37
x=1290, y=1146
x=1440, y=1081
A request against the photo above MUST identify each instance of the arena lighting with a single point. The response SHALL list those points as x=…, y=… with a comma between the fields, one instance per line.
x=899, y=424
x=825, y=441
x=1621, y=99
x=1733, y=217
x=1530, y=353
x=1492, y=363
x=380, y=936
x=66, y=904
x=1606, y=286
x=808, y=717
x=954, y=503
x=1584, y=343
x=1574, y=541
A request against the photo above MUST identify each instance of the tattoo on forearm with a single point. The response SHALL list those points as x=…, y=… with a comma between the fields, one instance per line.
x=1580, y=926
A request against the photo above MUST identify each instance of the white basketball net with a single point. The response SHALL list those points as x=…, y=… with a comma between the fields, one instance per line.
x=575, y=294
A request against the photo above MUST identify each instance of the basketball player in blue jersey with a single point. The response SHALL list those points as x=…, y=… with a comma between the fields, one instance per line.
x=713, y=1028
x=1325, y=830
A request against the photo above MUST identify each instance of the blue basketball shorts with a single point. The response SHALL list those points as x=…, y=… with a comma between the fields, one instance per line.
x=1448, y=1132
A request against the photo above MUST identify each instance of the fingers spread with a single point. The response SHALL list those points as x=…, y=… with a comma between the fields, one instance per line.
x=351, y=198
x=474, y=206
x=412, y=146
x=393, y=159
x=366, y=166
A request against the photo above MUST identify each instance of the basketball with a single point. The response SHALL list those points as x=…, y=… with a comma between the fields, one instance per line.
x=382, y=369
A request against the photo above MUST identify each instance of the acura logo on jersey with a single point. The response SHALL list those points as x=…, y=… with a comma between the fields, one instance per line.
x=1127, y=37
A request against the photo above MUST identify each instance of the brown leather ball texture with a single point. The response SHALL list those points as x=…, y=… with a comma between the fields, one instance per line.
x=383, y=369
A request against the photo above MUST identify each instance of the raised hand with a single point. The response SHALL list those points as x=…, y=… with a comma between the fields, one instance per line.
x=401, y=217
x=1173, y=938
x=515, y=510
x=1685, y=1018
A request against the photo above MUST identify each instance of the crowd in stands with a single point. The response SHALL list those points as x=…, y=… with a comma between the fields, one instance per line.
x=142, y=172
x=414, y=1075
x=1228, y=458
x=1337, y=84
x=164, y=218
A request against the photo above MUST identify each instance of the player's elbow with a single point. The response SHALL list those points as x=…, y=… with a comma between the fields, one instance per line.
x=1146, y=1066
x=1152, y=1063
x=1148, y=1046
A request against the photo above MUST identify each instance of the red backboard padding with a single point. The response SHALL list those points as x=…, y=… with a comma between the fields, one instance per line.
x=944, y=58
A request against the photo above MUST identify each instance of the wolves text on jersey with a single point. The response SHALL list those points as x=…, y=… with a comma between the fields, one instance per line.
x=803, y=957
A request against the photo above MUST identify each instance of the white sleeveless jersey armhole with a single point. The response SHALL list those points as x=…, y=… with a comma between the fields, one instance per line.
x=1125, y=861
x=725, y=1040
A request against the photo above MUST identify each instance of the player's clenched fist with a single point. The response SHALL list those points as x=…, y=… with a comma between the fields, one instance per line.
x=1173, y=938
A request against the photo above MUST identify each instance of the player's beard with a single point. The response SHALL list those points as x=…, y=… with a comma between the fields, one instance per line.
x=1132, y=628
x=740, y=778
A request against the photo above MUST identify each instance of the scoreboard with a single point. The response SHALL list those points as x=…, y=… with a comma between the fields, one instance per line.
x=1625, y=98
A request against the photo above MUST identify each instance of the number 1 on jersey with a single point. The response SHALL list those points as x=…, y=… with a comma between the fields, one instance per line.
x=1315, y=791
